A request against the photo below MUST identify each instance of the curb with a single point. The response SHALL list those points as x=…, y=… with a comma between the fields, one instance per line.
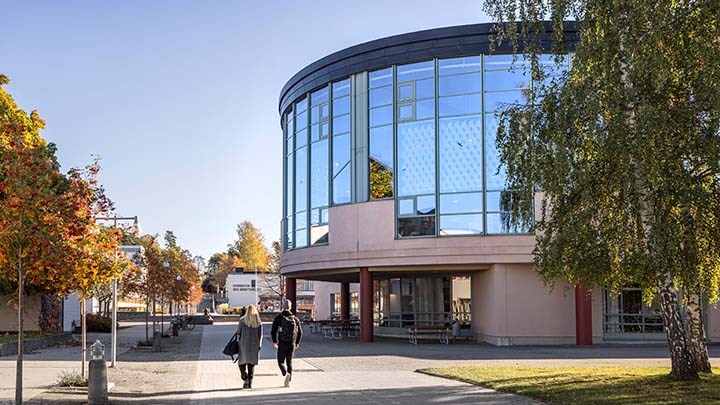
x=29, y=345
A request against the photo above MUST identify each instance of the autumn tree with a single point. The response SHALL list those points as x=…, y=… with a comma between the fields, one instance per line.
x=625, y=148
x=250, y=247
x=49, y=240
x=272, y=278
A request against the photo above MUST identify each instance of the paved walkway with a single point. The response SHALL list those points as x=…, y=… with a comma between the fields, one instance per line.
x=336, y=380
x=192, y=370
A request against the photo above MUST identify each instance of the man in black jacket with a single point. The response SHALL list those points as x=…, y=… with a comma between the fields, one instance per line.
x=286, y=335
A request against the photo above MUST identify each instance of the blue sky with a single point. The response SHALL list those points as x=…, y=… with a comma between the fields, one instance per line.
x=180, y=97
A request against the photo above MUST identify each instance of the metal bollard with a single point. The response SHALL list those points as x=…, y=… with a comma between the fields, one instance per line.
x=156, y=341
x=97, y=376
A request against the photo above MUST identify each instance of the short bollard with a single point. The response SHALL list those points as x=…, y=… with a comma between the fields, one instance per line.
x=97, y=376
x=156, y=341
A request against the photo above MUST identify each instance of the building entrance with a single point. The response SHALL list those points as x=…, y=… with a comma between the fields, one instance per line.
x=422, y=301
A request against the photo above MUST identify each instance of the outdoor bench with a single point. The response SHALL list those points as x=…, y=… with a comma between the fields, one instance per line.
x=441, y=331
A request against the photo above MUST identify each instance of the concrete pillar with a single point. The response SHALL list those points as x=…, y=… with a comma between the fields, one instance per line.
x=366, y=305
x=344, y=301
x=291, y=293
x=583, y=316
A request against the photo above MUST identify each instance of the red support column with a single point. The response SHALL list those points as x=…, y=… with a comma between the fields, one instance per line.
x=344, y=301
x=583, y=316
x=291, y=292
x=366, y=305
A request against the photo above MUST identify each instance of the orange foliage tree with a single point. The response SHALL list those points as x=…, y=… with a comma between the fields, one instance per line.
x=49, y=241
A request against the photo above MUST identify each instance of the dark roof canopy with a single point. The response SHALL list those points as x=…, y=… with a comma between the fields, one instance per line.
x=446, y=42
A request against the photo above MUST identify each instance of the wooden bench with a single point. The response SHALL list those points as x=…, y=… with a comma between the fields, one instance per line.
x=441, y=331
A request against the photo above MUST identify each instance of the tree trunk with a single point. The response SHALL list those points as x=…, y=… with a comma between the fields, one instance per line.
x=83, y=316
x=19, y=367
x=696, y=333
x=680, y=355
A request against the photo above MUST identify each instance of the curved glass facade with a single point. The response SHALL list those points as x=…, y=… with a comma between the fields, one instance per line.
x=422, y=134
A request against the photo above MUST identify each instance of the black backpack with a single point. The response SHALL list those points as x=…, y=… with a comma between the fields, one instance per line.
x=232, y=348
x=288, y=329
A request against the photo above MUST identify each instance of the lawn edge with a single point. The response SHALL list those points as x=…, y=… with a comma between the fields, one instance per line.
x=427, y=371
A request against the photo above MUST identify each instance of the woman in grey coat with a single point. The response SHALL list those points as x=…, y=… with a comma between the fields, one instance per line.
x=250, y=336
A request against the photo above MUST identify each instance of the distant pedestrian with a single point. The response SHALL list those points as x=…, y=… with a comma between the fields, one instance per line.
x=250, y=335
x=286, y=336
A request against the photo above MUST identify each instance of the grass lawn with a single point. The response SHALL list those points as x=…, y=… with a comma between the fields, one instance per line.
x=12, y=337
x=590, y=385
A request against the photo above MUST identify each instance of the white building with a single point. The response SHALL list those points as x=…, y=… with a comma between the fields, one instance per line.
x=241, y=288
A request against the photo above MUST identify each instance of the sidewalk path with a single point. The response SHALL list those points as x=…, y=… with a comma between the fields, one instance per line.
x=42, y=368
x=366, y=380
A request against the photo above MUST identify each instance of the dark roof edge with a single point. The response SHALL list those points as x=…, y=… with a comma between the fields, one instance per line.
x=458, y=31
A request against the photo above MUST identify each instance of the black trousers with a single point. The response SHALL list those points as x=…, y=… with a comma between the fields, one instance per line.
x=284, y=356
x=247, y=371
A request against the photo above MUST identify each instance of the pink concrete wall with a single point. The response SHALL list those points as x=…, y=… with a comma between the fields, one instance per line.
x=511, y=306
x=713, y=322
x=362, y=235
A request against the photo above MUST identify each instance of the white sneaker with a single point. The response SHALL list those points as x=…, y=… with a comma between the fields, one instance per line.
x=288, y=378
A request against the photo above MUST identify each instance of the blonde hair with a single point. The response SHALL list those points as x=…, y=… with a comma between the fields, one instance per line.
x=252, y=317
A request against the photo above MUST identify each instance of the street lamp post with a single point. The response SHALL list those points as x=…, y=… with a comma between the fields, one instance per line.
x=166, y=264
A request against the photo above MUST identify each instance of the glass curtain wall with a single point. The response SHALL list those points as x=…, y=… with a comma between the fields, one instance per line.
x=431, y=136
x=415, y=111
x=380, y=157
x=301, y=173
x=505, y=86
x=341, y=144
x=460, y=142
x=289, y=178
x=319, y=169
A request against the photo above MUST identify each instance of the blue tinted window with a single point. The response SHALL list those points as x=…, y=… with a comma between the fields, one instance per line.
x=301, y=138
x=341, y=124
x=459, y=65
x=320, y=96
x=416, y=158
x=425, y=109
x=341, y=186
x=406, y=91
x=415, y=71
x=460, y=154
x=301, y=121
x=319, y=174
x=425, y=205
x=461, y=203
x=425, y=88
x=406, y=206
x=381, y=116
x=341, y=152
x=460, y=84
x=504, y=61
x=289, y=185
x=341, y=106
x=341, y=88
x=301, y=105
x=460, y=105
x=380, y=78
x=301, y=179
x=461, y=225
x=494, y=172
x=381, y=145
x=500, y=101
x=381, y=96
x=507, y=79
x=407, y=112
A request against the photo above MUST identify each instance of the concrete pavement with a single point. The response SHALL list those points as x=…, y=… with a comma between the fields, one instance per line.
x=348, y=381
